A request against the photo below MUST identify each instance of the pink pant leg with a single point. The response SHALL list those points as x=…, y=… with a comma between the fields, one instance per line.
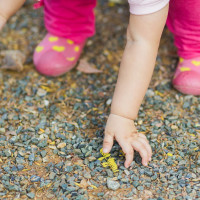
x=73, y=19
x=184, y=22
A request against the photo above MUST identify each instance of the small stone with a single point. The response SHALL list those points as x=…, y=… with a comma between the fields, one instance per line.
x=100, y=194
x=68, y=169
x=108, y=102
x=113, y=185
x=140, y=188
x=87, y=175
x=135, y=183
x=31, y=195
x=2, y=130
x=109, y=173
x=45, y=159
x=7, y=152
x=64, y=186
x=126, y=172
x=61, y=145
x=14, y=169
x=173, y=127
x=42, y=144
x=41, y=92
x=31, y=157
x=20, y=160
x=149, y=93
x=43, y=153
x=20, y=167
x=35, y=178
x=46, y=103
x=52, y=175
x=91, y=158
x=71, y=189
x=186, y=104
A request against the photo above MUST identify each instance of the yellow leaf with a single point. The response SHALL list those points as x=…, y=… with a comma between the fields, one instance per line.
x=47, y=88
x=93, y=186
x=37, y=163
x=42, y=130
x=159, y=93
x=101, y=158
x=78, y=184
x=24, y=170
x=105, y=164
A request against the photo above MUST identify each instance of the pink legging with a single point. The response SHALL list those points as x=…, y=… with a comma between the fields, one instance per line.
x=75, y=19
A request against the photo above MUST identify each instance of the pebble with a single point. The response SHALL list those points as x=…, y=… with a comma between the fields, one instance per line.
x=68, y=169
x=87, y=175
x=41, y=92
x=52, y=175
x=31, y=157
x=113, y=185
x=31, y=195
x=126, y=172
x=108, y=102
x=2, y=130
x=61, y=145
x=35, y=178
x=7, y=152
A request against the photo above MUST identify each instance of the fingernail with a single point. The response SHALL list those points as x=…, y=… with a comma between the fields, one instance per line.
x=149, y=159
x=145, y=163
x=105, y=150
x=126, y=166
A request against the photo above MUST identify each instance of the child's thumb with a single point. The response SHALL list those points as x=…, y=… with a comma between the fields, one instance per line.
x=107, y=143
x=2, y=22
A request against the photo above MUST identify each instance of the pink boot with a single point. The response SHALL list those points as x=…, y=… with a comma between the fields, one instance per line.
x=69, y=24
x=187, y=76
x=183, y=21
x=55, y=56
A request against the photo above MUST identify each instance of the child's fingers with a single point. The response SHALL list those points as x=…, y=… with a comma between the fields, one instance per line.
x=129, y=156
x=147, y=145
x=128, y=150
x=143, y=136
x=107, y=143
x=141, y=148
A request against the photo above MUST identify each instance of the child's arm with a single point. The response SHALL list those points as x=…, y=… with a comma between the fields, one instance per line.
x=143, y=37
x=7, y=9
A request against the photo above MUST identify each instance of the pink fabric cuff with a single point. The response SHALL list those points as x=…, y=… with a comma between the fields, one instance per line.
x=143, y=7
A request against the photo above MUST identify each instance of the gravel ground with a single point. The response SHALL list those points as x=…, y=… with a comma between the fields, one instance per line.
x=51, y=129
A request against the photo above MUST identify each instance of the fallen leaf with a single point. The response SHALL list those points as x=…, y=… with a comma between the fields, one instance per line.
x=86, y=67
x=12, y=60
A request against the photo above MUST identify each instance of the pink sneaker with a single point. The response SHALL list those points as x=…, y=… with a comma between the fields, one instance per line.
x=187, y=76
x=55, y=56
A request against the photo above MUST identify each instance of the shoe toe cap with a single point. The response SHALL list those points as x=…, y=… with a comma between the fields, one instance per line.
x=52, y=63
x=187, y=82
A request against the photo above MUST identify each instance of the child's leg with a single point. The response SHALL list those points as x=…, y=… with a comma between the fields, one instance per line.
x=69, y=24
x=184, y=22
x=73, y=19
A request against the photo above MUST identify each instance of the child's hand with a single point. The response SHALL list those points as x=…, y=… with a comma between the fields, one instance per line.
x=124, y=131
x=7, y=9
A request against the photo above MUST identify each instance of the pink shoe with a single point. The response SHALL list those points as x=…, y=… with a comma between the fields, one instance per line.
x=55, y=56
x=187, y=76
